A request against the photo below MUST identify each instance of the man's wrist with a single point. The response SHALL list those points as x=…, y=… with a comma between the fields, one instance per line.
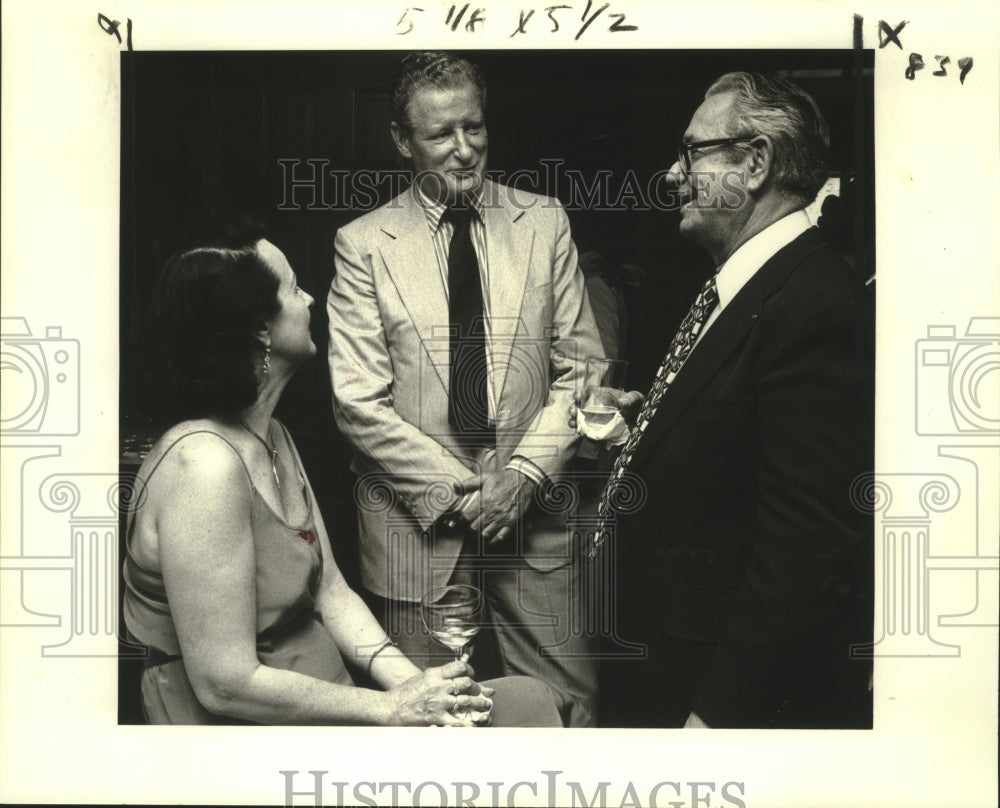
x=526, y=483
x=526, y=469
x=451, y=516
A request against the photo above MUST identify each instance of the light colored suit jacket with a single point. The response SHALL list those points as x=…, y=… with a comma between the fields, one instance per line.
x=389, y=367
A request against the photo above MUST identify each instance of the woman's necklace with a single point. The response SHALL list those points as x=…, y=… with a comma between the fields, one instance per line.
x=272, y=450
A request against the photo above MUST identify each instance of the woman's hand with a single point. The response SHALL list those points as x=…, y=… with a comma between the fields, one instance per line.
x=442, y=696
x=481, y=718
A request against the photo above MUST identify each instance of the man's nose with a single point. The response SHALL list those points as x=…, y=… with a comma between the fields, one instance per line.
x=675, y=175
x=462, y=146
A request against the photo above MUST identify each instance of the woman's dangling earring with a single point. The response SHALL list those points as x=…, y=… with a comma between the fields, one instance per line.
x=266, y=369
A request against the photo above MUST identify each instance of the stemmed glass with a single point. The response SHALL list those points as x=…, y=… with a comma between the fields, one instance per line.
x=452, y=615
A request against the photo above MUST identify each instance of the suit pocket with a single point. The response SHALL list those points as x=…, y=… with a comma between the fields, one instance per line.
x=547, y=547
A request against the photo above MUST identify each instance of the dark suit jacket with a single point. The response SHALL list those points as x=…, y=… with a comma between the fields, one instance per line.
x=747, y=537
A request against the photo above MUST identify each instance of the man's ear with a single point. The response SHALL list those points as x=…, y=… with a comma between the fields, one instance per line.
x=760, y=166
x=401, y=138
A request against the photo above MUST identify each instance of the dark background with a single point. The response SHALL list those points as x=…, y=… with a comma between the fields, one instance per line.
x=202, y=134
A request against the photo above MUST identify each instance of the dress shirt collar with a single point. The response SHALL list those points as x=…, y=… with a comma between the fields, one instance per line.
x=435, y=210
x=751, y=256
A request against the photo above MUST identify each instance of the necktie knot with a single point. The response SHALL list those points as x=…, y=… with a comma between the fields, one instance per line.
x=459, y=216
x=709, y=294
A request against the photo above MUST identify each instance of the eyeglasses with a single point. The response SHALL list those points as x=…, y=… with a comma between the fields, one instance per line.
x=685, y=149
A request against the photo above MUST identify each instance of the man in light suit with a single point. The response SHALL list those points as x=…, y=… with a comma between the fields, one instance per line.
x=745, y=570
x=452, y=467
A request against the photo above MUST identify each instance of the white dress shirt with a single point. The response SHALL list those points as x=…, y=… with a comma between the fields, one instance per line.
x=749, y=257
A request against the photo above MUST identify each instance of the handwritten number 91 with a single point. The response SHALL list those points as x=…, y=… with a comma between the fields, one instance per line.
x=110, y=27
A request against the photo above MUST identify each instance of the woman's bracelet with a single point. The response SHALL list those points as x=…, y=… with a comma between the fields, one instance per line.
x=378, y=651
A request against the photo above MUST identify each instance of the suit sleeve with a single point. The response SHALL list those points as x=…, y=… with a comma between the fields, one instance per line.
x=361, y=375
x=549, y=442
x=798, y=609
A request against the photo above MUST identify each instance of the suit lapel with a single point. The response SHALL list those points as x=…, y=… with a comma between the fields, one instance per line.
x=724, y=337
x=509, y=241
x=719, y=342
x=407, y=250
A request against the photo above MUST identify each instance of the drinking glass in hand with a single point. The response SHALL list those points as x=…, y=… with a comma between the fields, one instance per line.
x=452, y=614
x=604, y=385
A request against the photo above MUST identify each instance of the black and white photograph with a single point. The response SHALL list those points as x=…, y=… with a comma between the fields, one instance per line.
x=615, y=386
x=212, y=132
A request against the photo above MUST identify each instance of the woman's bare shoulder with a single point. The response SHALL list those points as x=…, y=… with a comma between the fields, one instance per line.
x=195, y=453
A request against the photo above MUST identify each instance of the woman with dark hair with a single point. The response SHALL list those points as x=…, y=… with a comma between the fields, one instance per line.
x=230, y=580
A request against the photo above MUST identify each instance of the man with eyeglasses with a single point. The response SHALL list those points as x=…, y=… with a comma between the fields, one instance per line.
x=741, y=554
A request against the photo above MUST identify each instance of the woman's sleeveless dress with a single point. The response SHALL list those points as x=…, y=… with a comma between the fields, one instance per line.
x=290, y=630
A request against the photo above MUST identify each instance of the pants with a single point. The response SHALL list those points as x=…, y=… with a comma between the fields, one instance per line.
x=531, y=614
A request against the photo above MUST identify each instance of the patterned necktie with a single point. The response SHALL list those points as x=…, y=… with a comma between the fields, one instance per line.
x=680, y=348
x=468, y=406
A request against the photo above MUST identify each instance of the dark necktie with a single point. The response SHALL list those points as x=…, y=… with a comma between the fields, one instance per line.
x=682, y=345
x=468, y=407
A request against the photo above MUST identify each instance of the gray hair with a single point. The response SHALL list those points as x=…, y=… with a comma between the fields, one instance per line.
x=443, y=71
x=772, y=106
